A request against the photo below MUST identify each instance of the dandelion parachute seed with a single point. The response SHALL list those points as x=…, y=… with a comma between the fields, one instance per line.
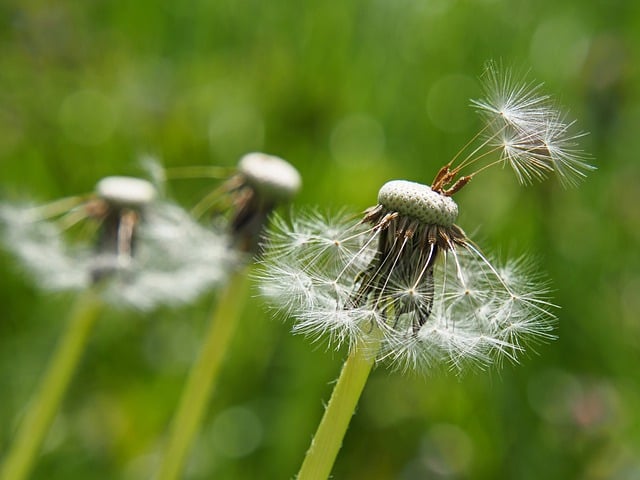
x=532, y=136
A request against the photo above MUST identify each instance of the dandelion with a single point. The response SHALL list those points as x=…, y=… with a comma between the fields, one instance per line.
x=246, y=196
x=146, y=253
x=246, y=199
x=404, y=284
x=408, y=274
x=150, y=251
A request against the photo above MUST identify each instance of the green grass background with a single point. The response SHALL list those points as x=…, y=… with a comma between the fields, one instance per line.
x=353, y=93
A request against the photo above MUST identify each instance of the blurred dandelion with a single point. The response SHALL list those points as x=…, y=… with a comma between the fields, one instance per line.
x=244, y=199
x=404, y=284
x=145, y=253
x=152, y=252
x=246, y=195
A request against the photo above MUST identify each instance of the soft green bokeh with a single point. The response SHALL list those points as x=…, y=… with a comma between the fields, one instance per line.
x=353, y=93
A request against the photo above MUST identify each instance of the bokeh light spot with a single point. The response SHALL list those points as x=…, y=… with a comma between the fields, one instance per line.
x=448, y=102
x=358, y=138
x=236, y=432
x=559, y=47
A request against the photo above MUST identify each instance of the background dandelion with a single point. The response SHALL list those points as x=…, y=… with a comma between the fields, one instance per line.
x=175, y=260
x=86, y=87
x=119, y=208
x=260, y=184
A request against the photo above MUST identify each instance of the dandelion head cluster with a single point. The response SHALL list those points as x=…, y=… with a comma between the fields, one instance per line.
x=139, y=251
x=406, y=273
x=404, y=278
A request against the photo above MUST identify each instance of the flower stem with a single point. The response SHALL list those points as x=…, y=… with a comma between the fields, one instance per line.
x=327, y=441
x=202, y=377
x=46, y=402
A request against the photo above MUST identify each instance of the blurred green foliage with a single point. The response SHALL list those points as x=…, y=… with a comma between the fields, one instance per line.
x=353, y=93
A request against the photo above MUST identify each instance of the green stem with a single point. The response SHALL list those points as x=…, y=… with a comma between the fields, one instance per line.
x=327, y=441
x=46, y=402
x=197, y=392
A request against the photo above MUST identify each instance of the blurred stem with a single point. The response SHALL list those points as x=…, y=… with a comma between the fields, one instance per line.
x=46, y=402
x=327, y=441
x=203, y=374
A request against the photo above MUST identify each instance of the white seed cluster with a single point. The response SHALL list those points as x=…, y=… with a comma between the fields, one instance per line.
x=418, y=201
x=126, y=191
x=464, y=309
x=176, y=258
x=271, y=176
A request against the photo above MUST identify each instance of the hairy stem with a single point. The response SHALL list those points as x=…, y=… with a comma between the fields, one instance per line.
x=45, y=404
x=327, y=441
x=202, y=377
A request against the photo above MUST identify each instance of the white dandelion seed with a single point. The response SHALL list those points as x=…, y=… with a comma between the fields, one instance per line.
x=527, y=130
x=148, y=252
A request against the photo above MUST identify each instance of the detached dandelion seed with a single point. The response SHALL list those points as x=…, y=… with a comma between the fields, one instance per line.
x=404, y=284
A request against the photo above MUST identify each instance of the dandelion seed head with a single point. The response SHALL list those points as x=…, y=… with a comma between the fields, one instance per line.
x=159, y=257
x=176, y=261
x=271, y=176
x=126, y=191
x=418, y=201
x=423, y=286
x=41, y=249
x=262, y=183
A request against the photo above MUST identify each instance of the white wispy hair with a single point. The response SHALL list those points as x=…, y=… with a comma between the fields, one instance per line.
x=469, y=311
x=531, y=133
x=175, y=258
